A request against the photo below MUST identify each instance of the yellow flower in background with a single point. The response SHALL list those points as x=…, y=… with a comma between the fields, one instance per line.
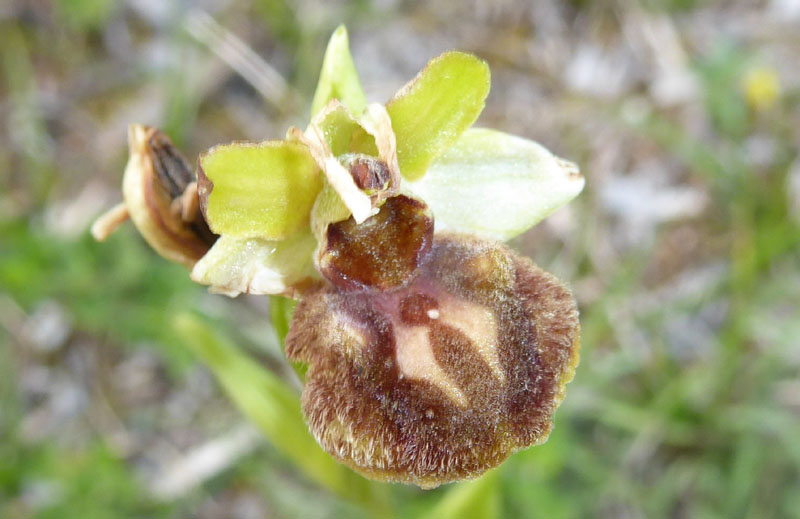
x=762, y=87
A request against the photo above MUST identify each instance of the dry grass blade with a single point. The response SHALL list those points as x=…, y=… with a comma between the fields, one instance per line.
x=241, y=58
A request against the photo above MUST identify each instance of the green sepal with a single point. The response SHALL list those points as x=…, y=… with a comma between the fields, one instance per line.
x=338, y=78
x=496, y=184
x=431, y=111
x=263, y=190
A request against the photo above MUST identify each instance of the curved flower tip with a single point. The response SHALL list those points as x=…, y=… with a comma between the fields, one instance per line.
x=445, y=377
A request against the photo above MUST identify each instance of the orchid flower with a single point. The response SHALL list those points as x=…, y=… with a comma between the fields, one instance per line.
x=433, y=351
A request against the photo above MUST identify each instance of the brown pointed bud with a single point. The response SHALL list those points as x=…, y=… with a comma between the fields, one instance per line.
x=444, y=377
x=383, y=252
x=161, y=197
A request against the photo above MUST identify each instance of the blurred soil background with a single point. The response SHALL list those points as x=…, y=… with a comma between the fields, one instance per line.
x=683, y=251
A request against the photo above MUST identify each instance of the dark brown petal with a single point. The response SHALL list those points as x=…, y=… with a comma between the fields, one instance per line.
x=382, y=252
x=443, y=378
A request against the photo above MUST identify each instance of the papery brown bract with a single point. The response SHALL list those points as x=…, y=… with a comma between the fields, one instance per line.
x=157, y=187
x=444, y=377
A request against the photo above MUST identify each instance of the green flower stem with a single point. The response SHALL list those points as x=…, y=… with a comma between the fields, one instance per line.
x=275, y=409
x=281, y=310
x=478, y=499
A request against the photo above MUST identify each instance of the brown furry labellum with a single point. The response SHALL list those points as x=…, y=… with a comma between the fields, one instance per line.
x=443, y=375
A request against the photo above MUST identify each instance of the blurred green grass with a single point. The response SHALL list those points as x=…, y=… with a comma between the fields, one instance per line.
x=643, y=432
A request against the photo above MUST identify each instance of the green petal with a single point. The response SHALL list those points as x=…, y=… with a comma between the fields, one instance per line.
x=433, y=109
x=339, y=78
x=496, y=184
x=255, y=266
x=261, y=190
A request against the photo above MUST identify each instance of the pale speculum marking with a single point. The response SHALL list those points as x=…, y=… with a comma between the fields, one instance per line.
x=414, y=350
x=351, y=339
x=478, y=324
x=415, y=360
x=411, y=323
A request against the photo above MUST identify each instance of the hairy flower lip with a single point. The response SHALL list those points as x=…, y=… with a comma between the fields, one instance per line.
x=396, y=416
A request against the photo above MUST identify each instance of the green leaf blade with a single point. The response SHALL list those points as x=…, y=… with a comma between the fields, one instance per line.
x=274, y=408
x=339, y=77
x=496, y=184
x=263, y=190
x=431, y=111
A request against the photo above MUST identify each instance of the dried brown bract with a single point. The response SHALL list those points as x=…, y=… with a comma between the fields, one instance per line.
x=161, y=197
x=444, y=377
